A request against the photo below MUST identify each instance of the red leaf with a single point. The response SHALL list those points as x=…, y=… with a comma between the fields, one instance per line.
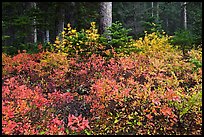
x=149, y=116
x=166, y=111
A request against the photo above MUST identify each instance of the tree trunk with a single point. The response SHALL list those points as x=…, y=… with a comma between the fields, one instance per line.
x=106, y=16
x=184, y=22
x=152, y=9
x=157, y=19
x=185, y=15
x=61, y=22
x=134, y=18
x=33, y=4
x=47, y=36
x=72, y=14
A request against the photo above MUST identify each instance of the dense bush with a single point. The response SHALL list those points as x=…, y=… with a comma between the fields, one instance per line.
x=184, y=39
x=87, y=42
x=151, y=91
x=84, y=42
x=28, y=47
x=119, y=38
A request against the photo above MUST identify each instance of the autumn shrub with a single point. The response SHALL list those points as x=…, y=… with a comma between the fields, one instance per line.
x=27, y=111
x=80, y=43
x=89, y=41
x=6, y=64
x=158, y=75
x=42, y=69
x=142, y=80
x=151, y=92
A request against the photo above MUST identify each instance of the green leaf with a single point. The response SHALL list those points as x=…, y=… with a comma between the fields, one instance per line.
x=67, y=131
x=116, y=121
x=139, y=123
x=107, y=128
x=68, y=90
x=130, y=123
x=130, y=117
x=42, y=132
x=184, y=111
x=87, y=132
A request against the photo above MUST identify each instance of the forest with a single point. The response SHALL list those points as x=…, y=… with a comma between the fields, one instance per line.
x=101, y=68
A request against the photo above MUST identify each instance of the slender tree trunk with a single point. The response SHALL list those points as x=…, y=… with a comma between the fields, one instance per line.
x=47, y=36
x=72, y=18
x=152, y=9
x=33, y=4
x=134, y=17
x=145, y=5
x=167, y=23
x=185, y=15
x=157, y=19
x=61, y=22
x=184, y=23
x=106, y=16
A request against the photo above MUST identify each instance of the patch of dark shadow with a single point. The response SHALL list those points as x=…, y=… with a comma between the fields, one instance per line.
x=127, y=74
x=140, y=79
x=188, y=85
x=168, y=74
x=83, y=90
x=75, y=108
x=155, y=85
x=38, y=61
x=79, y=107
x=114, y=107
x=118, y=79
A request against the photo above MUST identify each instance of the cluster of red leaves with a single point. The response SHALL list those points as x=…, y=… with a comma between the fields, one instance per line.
x=147, y=89
x=126, y=95
x=77, y=123
x=26, y=111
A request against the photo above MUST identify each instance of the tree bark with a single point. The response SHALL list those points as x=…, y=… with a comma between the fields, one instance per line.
x=157, y=19
x=106, y=16
x=134, y=17
x=47, y=36
x=60, y=25
x=152, y=9
x=185, y=15
x=72, y=13
x=33, y=4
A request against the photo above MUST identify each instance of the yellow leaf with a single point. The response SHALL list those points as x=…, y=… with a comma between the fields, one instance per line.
x=63, y=32
x=68, y=25
x=93, y=24
x=57, y=42
x=73, y=31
